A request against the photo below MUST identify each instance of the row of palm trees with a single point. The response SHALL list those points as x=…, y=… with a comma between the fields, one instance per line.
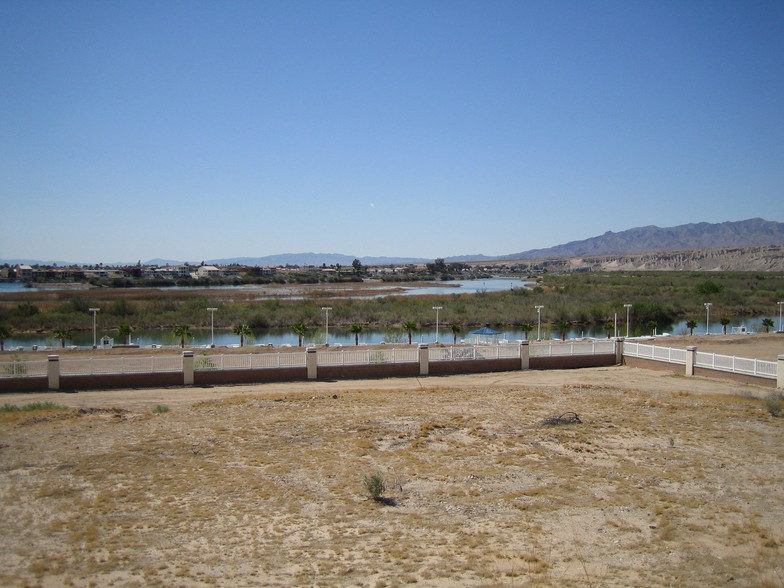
x=244, y=332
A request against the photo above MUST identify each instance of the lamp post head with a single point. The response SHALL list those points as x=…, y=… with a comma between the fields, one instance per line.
x=93, y=309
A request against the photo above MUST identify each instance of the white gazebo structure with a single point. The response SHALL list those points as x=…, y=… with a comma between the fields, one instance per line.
x=485, y=335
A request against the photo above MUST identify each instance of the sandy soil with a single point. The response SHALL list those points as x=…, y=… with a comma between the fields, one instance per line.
x=666, y=480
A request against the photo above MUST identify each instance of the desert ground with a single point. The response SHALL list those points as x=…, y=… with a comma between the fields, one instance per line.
x=665, y=480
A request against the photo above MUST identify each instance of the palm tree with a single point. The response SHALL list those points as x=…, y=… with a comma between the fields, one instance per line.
x=651, y=327
x=608, y=328
x=5, y=333
x=563, y=327
x=691, y=325
x=526, y=328
x=183, y=332
x=243, y=331
x=724, y=322
x=356, y=329
x=455, y=330
x=62, y=334
x=767, y=324
x=409, y=327
x=124, y=332
x=300, y=329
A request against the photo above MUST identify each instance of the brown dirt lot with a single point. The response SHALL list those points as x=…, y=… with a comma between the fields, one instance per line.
x=666, y=480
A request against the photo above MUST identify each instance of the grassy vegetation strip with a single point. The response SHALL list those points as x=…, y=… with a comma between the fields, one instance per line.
x=578, y=297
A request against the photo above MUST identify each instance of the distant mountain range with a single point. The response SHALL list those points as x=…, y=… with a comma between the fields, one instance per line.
x=752, y=232
x=755, y=231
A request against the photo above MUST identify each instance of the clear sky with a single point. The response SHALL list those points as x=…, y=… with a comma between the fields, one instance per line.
x=193, y=130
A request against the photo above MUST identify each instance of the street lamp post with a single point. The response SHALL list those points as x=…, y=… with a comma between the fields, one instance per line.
x=437, y=308
x=707, y=319
x=212, y=325
x=327, y=309
x=95, y=312
x=780, y=305
x=538, y=322
x=628, y=308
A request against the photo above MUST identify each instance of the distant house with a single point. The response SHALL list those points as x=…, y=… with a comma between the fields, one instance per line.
x=24, y=272
x=208, y=271
x=173, y=272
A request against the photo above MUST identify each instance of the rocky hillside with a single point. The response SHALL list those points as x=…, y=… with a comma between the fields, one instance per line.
x=766, y=258
x=745, y=233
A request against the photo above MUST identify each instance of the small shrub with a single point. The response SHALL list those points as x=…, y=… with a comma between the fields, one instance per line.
x=160, y=408
x=16, y=367
x=375, y=484
x=773, y=404
x=205, y=363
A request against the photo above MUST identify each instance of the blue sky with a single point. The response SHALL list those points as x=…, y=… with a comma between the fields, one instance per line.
x=131, y=130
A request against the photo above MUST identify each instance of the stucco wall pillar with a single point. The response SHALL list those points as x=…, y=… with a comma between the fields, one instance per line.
x=525, y=355
x=691, y=359
x=311, y=361
x=53, y=372
x=187, y=368
x=619, y=351
x=424, y=360
x=780, y=372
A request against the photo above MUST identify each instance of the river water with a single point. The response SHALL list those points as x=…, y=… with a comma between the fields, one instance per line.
x=338, y=336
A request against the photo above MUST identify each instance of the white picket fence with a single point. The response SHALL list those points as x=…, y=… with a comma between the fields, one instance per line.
x=561, y=348
x=665, y=354
x=23, y=369
x=737, y=365
x=120, y=365
x=324, y=357
x=474, y=352
x=725, y=363
x=248, y=361
x=366, y=356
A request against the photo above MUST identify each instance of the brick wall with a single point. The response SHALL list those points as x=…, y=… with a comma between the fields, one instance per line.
x=120, y=381
x=571, y=362
x=24, y=384
x=210, y=377
x=476, y=366
x=379, y=370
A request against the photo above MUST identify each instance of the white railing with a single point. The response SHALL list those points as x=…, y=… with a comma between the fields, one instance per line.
x=555, y=349
x=474, y=352
x=665, y=354
x=249, y=361
x=23, y=369
x=736, y=365
x=120, y=365
x=511, y=351
x=725, y=363
x=163, y=364
x=366, y=356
